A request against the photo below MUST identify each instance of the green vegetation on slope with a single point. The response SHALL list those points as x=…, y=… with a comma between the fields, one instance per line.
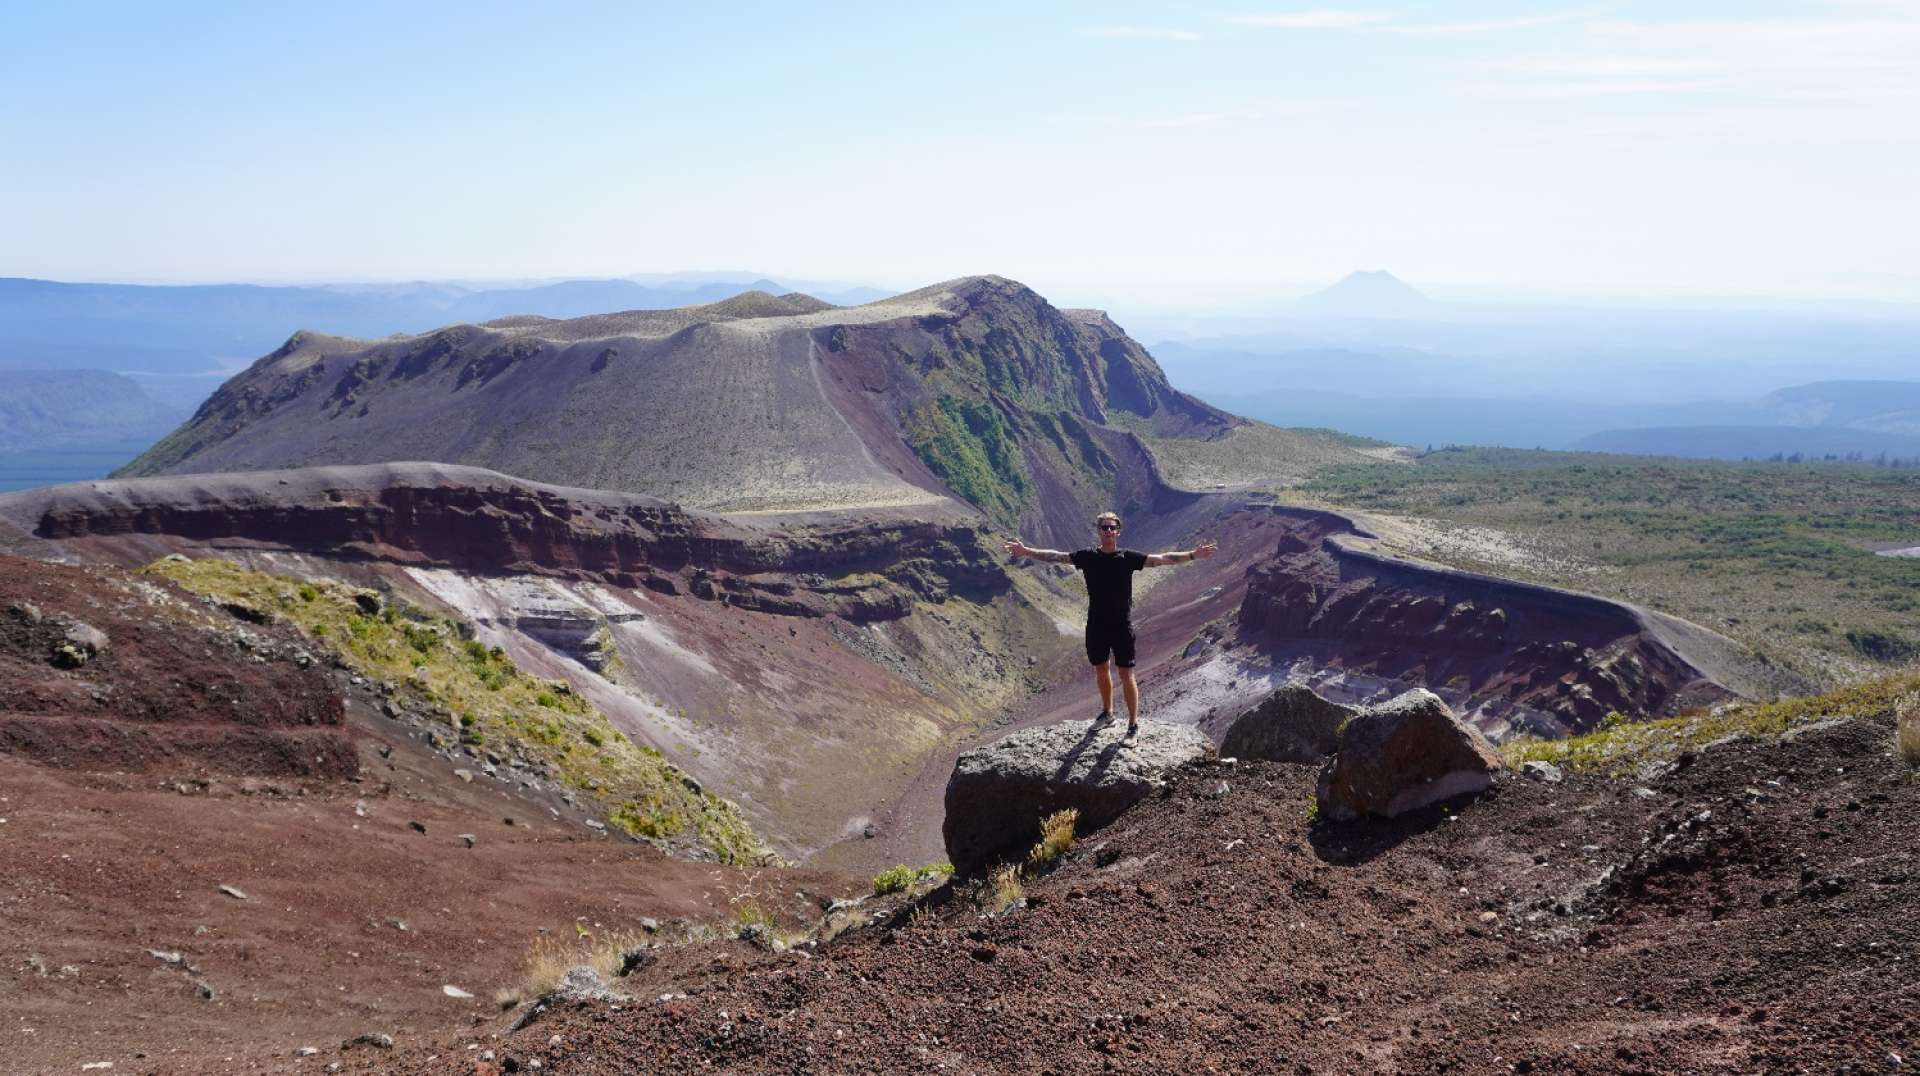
x=975, y=451
x=1620, y=745
x=1776, y=555
x=487, y=700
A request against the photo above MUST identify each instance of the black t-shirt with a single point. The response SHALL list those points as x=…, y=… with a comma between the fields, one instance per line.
x=1109, y=583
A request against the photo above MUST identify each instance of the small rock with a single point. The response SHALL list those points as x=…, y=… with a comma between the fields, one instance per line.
x=360, y=808
x=454, y=992
x=596, y=825
x=27, y=612
x=555, y=1040
x=306, y=1051
x=649, y=924
x=469, y=839
x=202, y=988
x=88, y=638
x=869, y=832
x=418, y=827
x=1545, y=772
x=94, y=1065
x=234, y=892
x=1219, y=789
x=367, y=602
x=167, y=956
x=379, y=1040
x=464, y=775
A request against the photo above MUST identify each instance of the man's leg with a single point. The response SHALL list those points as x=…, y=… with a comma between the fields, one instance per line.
x=1105, y=682
x=1131, y=692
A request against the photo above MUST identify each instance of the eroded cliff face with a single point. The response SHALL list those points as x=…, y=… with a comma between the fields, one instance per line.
x=862, y=568
x=1522, y=657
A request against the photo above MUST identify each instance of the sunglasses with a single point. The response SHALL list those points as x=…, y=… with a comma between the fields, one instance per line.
x=1109, y=526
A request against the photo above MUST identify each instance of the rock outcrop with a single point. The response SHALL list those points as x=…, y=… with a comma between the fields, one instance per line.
x=1523, y=657
x=1292, y=725
x=1401, y=755
x=999, y=793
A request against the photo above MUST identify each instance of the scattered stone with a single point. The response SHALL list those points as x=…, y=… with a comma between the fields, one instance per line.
x=166, y=956
x=596, y=825
x=1542, y=771
x=650, y=924
x=998, y=793
x=582, y=983
x=1291, y=725
x=95, y=1065
x=234, y=892
x=368, y=602
x=1401, y=755
x=204, y=989
x=464, y=775
x=454, y=992
x=25, y=612
x=360, y=808
x=418, y=827
x=306, y=1051
x=70, y=971
x=379, y=1040
x=469, y=839
x=868, y=832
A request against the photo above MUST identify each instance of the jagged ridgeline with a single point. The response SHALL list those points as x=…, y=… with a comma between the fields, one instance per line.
x=977, y=389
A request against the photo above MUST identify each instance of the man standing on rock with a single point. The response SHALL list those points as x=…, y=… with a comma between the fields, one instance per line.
x=1109, y=571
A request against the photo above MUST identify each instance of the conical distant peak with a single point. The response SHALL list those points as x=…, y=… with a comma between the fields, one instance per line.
x=1368, y=293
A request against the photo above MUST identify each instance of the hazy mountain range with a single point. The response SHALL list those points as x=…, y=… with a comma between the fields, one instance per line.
x=182, y=340
x=1373, y=356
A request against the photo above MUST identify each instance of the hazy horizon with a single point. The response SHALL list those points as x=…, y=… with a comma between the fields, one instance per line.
x=1112, y=153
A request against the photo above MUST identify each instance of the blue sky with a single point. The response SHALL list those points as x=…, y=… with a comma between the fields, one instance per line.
x=1196, y=152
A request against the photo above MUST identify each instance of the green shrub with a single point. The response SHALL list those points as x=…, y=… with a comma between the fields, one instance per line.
x=894, y=879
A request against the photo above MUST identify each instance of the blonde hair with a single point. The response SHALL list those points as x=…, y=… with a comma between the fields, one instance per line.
x=1104, y=516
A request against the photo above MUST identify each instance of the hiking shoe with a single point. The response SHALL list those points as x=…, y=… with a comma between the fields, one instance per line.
x=1133, y=729
x=1105, y=718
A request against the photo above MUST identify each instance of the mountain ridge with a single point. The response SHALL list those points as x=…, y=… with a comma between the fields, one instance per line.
x=975, y=388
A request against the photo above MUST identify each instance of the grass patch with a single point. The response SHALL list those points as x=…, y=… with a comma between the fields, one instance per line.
x=1618, y=746
x=1056, y=836
x=486, y=699
x=898, y=879
x=609, y=953
x=1005, y=888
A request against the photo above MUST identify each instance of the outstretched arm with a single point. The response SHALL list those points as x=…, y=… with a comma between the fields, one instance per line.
x=1017, y=549
x=1199, y=552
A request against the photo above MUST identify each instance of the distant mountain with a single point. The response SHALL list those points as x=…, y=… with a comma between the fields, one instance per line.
x=1376, y=294
x=76, y=409
x=193, y=329
x=1754, y=442
x=976, y=389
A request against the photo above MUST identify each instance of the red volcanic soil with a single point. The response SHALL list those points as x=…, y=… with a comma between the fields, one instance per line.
x=1751, y=911
x=171, y=683
x=116, y=835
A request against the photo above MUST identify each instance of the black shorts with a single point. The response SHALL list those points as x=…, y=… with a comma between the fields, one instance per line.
x=1115, y=639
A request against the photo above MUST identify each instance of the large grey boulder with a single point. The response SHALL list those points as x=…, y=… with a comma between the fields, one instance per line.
x=1291, y=725
x=999, y=793
x=1401, y=755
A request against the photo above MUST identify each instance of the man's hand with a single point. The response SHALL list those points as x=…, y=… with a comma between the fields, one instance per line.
x=1016, y=549
x=1206, y=549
